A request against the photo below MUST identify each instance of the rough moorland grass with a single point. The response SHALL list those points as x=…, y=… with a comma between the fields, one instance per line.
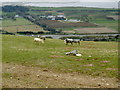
x=98, y=58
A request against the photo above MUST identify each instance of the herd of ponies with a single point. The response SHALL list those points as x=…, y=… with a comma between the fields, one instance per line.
x=42, y=39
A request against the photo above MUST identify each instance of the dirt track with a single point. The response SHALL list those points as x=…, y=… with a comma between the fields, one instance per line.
x=34, y=77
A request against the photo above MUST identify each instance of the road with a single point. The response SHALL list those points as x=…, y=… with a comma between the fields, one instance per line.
x=59, y=36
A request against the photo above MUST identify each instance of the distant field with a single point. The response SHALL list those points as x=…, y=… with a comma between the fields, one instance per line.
x=68, y=8
x=113, y=24
x=41, y=12
x=59, y=24
x=98, y=58
x=20, y=25
x=83, y=30
x=18, y=21
x=95, y=30
x=114, y=16
x=22, y=28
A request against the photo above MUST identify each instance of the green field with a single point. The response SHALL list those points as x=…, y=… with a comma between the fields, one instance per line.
x=20, y=25
x=23, y=28
x=106, y=23
x=98, y=58
x=18, y=21
x=67, y=8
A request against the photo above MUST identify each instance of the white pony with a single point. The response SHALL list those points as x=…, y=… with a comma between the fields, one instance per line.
x=38, y=40
x=67, y=40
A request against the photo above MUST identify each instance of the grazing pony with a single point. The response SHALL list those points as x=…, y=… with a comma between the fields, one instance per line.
x=67, y=40
x=38, y=40
x=76, y=41
x=43, y=37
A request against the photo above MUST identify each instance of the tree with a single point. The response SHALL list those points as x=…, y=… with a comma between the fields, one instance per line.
x=10, y=8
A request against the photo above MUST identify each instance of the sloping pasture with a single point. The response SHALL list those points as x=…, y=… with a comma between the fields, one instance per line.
x=58, y=24
x=95, y=30
x=23, y=28
x=18, y=21
x=113, y=24
x=98, y=58
x=20, y=25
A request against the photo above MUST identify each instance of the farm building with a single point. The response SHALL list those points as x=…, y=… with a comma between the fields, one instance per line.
x=58, y=17
x=62, y=16
x=17, y=16
x=51, y=17
x=73, y=20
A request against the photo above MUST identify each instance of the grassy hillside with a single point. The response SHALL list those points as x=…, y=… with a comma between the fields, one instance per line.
x=98, y=58
x=18, y=21
x=60, y=24
x=22, y=28
x=20, y=25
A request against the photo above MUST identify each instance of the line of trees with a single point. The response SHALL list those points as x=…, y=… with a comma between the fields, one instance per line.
x=10, y=8
x=14, y=10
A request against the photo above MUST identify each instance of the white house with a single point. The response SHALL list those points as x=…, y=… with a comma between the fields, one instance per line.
x=16, y=16
x=51, y=17
x=61, y=16
x=73, y=20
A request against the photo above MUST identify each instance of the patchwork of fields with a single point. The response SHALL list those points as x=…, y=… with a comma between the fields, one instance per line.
x=106, y=19
x=93, y=15
x=59, y=24
x=21, y=25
